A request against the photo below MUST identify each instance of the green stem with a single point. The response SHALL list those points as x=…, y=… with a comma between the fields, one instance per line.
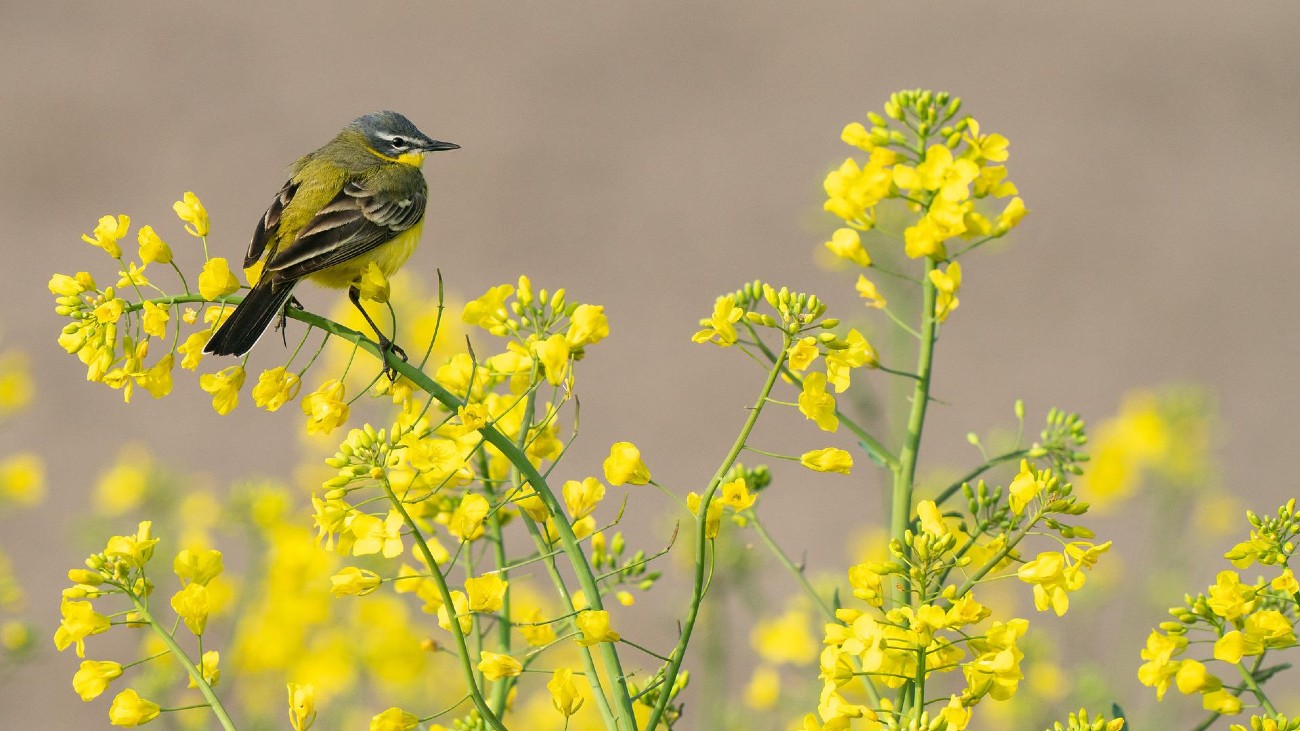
x=194, y=672
x=988, y=465
x=905, y=470
x=467, y=664
x=1251, y=683
x=702, y=541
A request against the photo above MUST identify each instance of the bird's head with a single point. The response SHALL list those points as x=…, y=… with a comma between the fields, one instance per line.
x=393, y=137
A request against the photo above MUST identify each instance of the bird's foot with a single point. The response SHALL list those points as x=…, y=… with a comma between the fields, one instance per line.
x=387, y=346
x=283, y=320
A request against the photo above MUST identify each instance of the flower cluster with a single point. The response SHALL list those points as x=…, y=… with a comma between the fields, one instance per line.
x=119, y=572
x=1241, y=621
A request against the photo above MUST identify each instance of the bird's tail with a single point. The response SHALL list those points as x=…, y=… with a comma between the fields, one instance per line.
x=242, y=329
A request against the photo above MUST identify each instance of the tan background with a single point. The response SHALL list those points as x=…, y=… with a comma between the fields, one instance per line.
x=649, y=156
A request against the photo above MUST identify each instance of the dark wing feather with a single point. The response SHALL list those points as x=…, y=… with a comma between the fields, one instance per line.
x=356, y=221
x=270, y=223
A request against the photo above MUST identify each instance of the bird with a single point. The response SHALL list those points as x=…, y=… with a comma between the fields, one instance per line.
x=358, y=199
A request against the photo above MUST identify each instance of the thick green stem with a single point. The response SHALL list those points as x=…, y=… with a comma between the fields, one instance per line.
x=702, y=540
x=1249, y=679
x=905, y=470
x=195, y=673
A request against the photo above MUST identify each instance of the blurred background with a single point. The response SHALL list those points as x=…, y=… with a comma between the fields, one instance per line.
x=651, y=156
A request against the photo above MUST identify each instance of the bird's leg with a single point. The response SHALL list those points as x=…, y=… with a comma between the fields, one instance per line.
x=386, y=346
x=284, y=318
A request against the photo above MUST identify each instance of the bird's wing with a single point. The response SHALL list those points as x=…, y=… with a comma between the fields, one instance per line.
x=360, y=218
x=270, y=223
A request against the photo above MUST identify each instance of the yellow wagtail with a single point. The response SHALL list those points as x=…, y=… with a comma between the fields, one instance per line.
x=359, y=199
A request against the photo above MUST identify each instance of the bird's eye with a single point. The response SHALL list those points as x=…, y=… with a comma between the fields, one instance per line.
x=398, y=142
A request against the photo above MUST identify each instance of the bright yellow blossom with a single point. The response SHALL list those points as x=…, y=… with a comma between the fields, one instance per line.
x=496, y=666
x=152, y=247
x=802, y=353
x=947, y=284
x=720, y=328
x=192, y=212
x=394, y=719
x=489, y=310
x=867, y=290
x=107, y=234
x=216, y=280
x=846, y=243
x=624, y=465
x=464, y=618
x=818, y=405
x=94, y=676
x=587, y=326
x=486, y=593
x=224, y=386
x=192, y=349
x=325, y=408
x=302, y=706
x=829, y=459
x=467, y=520
x=373, y=284
x=192, y=605
x=595, y=628
x=353, y=581
x=581, y=498
x=129, y=709
x=198, y=567
x=564, y=692
x=275, y=388
x=553, y=353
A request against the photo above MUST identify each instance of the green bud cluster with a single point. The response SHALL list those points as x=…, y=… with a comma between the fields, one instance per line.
x=650, y=698
x=1062, y=441
x=1272, y=722
x=922, y=111
x=1272, y=538
x=621, y=571
x=755, y=479
x=363, y=456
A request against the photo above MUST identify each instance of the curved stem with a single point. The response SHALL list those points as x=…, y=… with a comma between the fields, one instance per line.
x=195, y=673
x=466, y=659
x=702, y=541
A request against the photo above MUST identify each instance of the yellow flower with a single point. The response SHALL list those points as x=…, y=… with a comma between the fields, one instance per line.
x=1053, y=580
x=152, y=248
x=947, y=284
x=839, y=363
x=209, y=668
x=394, y=719
x=531, y=503
x=192, y=212
x=595, y=628
x=352, y=581
x=803, y=353
x=1025, y=487
x=829, y=459
x=931, y=519
x=224, y=386
x=1229, y=598
x=80, y=620
x=1222, y=702
x=107, y=234
x=818, y=405
x=564, y=692
x=736, y=495
x=373, y=535
x=624, y=465
x=302, y=706
x=720, y=328
x=464, y=617
x=373, y=284
x=467, y=520
x=192, y=349
x=94, y=676
x=553, y=353
x=867, y=291
x=216, y=280
x=496, y=666
x=581, y=498
x=192, y=605
x=325, y=408
x=486, y=593
x=712, y=521
x=134, y=275
x=587, y=326
x=155, y=319
x=158, y=379
x=489, y=310
x=531, y=626
x=135, y=549
x=1192, y=677
x=275, y=388
x=1160, y=667
x=1010, y=217
x=198, y=567
x=129, y=709
x=846, y=243
x=1286, y=582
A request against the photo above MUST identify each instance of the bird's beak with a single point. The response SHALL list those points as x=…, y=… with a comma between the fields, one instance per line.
x=436, y=146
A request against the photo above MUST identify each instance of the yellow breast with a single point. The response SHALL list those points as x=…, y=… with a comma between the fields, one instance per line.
x=388, y=256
